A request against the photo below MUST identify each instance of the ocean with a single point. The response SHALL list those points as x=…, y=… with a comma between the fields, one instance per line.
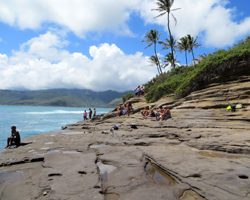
x=31, y=120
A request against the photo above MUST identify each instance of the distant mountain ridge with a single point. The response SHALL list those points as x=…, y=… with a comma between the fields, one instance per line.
x=60, y=97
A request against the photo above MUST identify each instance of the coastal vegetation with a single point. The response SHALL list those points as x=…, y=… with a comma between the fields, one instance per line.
x=127, y=96
x=182, y=80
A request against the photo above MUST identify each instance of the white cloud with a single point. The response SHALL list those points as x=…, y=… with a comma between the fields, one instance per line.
x=45, y=46
x=109, y=67
x=78, y=16
x=207, y=18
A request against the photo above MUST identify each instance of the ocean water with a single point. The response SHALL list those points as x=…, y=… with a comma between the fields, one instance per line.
x=31, y=120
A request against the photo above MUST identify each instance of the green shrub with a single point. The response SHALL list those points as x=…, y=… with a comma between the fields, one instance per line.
x=127, y=97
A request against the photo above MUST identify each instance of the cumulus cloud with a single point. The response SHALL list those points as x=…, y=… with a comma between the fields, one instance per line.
x=209, y=19
x=44, y=46
x=78, y=16
x=108, y=67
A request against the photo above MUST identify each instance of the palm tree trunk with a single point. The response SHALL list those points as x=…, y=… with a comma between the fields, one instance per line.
x=193, y=53
x=157, y=60
x=170, y=36
x=158, y=69
x=186, y=58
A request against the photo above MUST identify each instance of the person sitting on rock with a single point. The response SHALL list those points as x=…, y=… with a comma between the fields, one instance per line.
x=150, y=114
x=14, y=139
x=159, y=113
x=120, y=111
x=166, y=114
x=144, y=113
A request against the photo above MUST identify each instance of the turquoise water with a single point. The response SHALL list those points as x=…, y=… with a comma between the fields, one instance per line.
x=31, y=120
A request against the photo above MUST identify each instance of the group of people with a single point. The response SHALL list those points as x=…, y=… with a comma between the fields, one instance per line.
x=139, y=91
x=127, y=109
x=85, y=114
x=161, y=114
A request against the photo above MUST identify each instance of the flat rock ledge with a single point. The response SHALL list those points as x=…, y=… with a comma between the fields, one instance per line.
x=198, y=154
x=203, y=152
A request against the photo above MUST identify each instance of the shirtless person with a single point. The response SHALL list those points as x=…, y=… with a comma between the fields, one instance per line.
x=129, y=108
x=144, y=113
x=166, y=114
x=159, y=113
x=14, y=138
x=94, y=112
x=90, y=113
x=150, y=114
x=119, y=110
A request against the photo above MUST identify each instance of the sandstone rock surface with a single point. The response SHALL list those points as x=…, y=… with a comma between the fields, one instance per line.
x=203, y=152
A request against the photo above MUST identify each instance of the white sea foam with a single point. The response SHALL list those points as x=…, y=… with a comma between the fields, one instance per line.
x=54, y=112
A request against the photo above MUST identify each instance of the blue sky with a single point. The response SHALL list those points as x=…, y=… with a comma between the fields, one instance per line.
x=97, y=44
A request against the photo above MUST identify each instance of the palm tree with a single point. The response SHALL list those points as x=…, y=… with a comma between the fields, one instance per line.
x=169, y=42
x=168, y=60
x=183, y=45
x=192, y=44
x=201, y=57
x=164, y=6
x=154, y=60
x=204, y=56
x=151, y=37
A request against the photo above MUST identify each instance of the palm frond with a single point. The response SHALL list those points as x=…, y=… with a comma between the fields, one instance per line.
x=175, y=9
x=175, y=20
x=160, y=14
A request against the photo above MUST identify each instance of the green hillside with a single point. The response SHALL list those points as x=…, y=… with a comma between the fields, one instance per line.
x=183, y=80
x=60, y=97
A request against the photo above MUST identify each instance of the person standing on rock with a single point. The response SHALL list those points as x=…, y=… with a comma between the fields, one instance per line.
x=139, y=91
x=94, y=112
x=85, y=114
x=14, y=138
x=90, y=113
x=129, y=108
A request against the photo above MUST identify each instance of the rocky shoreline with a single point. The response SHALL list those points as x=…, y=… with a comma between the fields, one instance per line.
x=203, y=152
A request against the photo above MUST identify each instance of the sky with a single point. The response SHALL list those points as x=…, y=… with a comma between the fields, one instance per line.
x=97, y=44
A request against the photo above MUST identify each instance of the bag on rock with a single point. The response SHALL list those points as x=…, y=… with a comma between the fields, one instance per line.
x=133, y=126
